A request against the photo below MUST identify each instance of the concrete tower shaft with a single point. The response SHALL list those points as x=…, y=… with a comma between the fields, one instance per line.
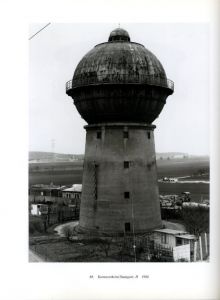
x=120, y=180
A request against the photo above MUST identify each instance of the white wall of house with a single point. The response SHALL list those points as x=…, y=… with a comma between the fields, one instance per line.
x=35, y=210
x=181, y=252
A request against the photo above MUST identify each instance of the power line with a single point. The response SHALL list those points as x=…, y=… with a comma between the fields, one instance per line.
x=39, y=31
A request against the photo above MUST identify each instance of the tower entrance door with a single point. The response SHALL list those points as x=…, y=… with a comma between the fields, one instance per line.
x=127, y=227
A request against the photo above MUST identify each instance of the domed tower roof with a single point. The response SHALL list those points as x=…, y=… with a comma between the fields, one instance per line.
x=119, y=34
x=116, y=63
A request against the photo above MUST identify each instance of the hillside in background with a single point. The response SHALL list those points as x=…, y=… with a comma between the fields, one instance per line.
x=50, y=156
x=37, y=156
x=166, y=155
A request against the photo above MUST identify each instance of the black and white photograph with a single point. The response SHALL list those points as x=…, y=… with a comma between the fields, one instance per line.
x=110, y=150
x=119, y=154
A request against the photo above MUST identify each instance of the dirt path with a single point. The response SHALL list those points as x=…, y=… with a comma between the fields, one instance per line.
x=59, y=228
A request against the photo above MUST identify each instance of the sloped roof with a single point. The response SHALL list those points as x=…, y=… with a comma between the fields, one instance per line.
x=74, y=188
x=170, y=231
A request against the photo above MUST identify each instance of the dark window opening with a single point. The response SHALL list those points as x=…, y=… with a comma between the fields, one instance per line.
x=98, y=134
x=163, y=238
x=148, y=135
x=127, y=227
x=125, y=134
x=179, y=241
x=126, y=195
x=126, y=164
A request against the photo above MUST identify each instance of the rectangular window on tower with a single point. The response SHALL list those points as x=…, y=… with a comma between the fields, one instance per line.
x=126, y=164
x=99, y=135
x=126, y=195
x=125, y=134
x=148, y=135
x=127, y=227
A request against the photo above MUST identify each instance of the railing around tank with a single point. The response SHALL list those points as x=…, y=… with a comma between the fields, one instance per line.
x=69, y=85
x=117, y=79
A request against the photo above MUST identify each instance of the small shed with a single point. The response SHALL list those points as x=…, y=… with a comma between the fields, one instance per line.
x=74, y=192
x=171, y=238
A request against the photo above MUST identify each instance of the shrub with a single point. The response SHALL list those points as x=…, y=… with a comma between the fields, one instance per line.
x=36, y=225
x=68, y=232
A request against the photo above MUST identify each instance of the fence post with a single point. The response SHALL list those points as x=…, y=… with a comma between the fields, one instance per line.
x=206, y=243
x=195, y=250
x=200, y=247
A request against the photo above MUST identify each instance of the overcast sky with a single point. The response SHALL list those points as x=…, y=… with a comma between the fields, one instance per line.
x=183, y=50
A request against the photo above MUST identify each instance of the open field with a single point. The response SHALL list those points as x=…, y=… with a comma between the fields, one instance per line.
x=68, y=173
x=182, y=167
x=58, y=178
x=71, y=172
x=198, y=191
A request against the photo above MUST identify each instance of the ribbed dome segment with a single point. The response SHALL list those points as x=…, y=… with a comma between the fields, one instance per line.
x=119, y=81
x=118, y=62
x=119, y=34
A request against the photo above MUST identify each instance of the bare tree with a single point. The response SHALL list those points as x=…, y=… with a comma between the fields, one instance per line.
x=105, y=245
x=196, y=219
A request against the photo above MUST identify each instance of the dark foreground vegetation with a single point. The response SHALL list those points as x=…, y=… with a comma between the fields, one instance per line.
x=75, y=247
x=99, y=249
x=196, y=220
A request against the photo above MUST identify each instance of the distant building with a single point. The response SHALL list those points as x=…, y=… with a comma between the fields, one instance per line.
x=44, y=192
x=74, y=192
x=39, y=209
x=167, y=179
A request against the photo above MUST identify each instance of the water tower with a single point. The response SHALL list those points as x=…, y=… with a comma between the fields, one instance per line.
x=119, y=88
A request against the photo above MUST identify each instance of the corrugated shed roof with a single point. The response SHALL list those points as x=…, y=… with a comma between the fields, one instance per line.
x=170, y=231
x=177, y=233
x=74, y=188
x=187, y=236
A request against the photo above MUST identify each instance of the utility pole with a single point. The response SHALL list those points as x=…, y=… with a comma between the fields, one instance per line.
x=53, y=142
x=134, y=240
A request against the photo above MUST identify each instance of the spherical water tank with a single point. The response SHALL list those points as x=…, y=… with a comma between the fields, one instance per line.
x=119, y=81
